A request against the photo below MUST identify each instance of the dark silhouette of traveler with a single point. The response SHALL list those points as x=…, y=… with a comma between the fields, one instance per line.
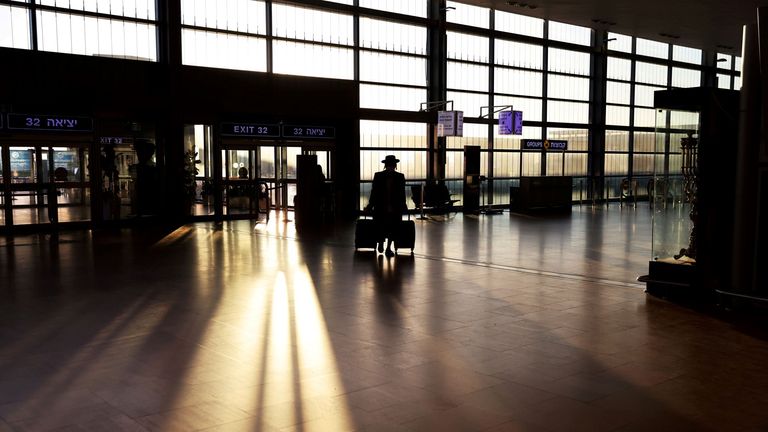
x=387, y=202
x=242, y=173
x=144, y=199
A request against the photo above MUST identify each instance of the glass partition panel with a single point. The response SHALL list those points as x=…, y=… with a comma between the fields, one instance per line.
x=673, y=189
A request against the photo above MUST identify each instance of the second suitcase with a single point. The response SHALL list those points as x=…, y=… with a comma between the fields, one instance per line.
x=406, y=235
x=365, y=234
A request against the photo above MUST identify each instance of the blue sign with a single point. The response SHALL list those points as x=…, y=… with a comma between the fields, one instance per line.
x=49, y=123
x=21, y=162
x=250, y=130
x=313, y=132
x=517, y=122
x=511, y=123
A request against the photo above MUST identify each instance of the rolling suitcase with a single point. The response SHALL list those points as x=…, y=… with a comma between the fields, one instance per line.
x=405, y=238
x=365, y=234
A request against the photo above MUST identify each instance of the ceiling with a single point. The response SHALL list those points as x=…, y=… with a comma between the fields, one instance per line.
x=705, y=24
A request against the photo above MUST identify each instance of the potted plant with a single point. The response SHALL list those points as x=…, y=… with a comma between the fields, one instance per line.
x=190, y=177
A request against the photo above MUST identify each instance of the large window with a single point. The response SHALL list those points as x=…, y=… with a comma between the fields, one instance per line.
x=631, y=148
x=225, y=34
x=117, y=28
x=393, y=65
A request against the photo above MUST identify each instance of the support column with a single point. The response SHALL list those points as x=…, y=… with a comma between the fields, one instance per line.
x=598, y=83
x=436, y=85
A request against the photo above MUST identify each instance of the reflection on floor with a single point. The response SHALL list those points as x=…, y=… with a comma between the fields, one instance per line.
x=498, y=323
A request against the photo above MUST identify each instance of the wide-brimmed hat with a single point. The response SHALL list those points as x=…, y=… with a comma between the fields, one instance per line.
x=390, y=159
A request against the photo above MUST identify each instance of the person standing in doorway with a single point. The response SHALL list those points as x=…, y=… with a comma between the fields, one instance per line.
x=387, y=201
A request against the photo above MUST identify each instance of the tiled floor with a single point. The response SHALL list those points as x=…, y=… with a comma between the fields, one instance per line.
x=497, y=323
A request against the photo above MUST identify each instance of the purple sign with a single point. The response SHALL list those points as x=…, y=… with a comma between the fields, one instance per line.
x=511, y=123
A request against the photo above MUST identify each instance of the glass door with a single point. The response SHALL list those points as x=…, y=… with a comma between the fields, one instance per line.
x=70, y=178
x=240, y=181
x=27, y=185
x=261, y=176
x=47, y=183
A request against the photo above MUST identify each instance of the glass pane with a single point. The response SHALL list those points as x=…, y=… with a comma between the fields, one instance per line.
x=567, y=112
x=408, y=7
x=313, y=25
x=305, y=59
x=509, y=53
x=724, y=61
x=223, y=50
x=78, y=34
x=644, y=95
x=391, y=98
x=617, y=92
x=531, y=108
x=616, y=141
x=652, y=48
x=474, y=134
x=506, y=164
x=519, y=24
x=531, y=163
x=465, y=76
x=645, y=117
x=462, y=46
x=685, y=77
x=244, y=16
x=570, y=33
x=390, y=134
x=519, y=82
x=616, y=115
x=391, y=36
x=619, y=69
x=267, y=162
x=578, y=139
x=393, y=68
x=616, y=164
x=28, y=201
x=508, y=142
x=14, y=27
x=468, y=15
x=145, y=9
x=568, y=87
x=645, y=142
x=565, y=61
x=72, y=195
x=686, y=55
x=651, y=73
x=724, y=81
x=619, y=42
x=470, y=103
x=413, y=163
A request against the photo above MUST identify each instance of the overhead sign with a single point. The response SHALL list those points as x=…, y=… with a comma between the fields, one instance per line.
x=537, y=144
x=49, y=123
x=250, y=130
x=115, y=140
x=450, y=123
x=313, y=132
x=511, y=123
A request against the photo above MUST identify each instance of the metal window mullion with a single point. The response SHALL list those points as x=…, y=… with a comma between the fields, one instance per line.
x=356, y=47
x=545, y=95
x=33, y=25
x=631, y=137
x=270, y=50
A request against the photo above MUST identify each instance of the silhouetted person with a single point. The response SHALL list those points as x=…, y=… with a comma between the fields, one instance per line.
x=144, y=175
x=387, y=202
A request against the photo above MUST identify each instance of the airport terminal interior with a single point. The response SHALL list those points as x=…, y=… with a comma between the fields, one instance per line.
x=181, y=184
